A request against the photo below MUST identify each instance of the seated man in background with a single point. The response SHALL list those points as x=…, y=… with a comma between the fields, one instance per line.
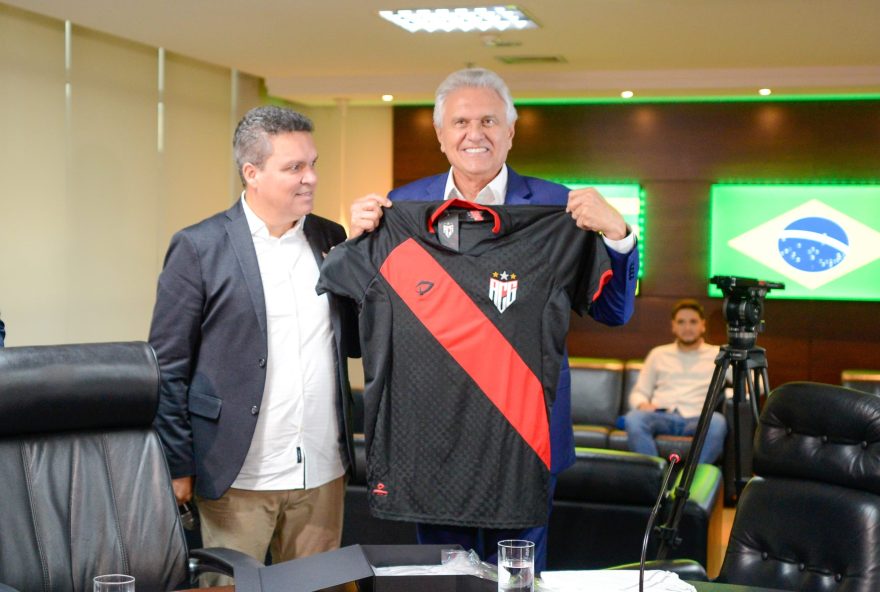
x=672, y=386
x=2, y=333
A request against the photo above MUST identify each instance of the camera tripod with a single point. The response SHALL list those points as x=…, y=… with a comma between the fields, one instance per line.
x=750, y=382
x=743, y=309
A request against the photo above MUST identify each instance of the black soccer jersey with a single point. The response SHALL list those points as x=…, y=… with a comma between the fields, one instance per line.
x=464, y=312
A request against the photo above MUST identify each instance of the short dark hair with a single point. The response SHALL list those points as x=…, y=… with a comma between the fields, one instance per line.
x=250, y=143
x=689, y=303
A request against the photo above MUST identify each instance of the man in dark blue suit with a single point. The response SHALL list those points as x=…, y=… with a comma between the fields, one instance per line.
x=2, y=333
x=474, y=119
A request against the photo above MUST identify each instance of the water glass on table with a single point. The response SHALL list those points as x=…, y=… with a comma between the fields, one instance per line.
x=114, y=583
x=516, y=566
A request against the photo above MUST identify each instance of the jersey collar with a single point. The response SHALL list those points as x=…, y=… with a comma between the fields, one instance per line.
x=466, y=205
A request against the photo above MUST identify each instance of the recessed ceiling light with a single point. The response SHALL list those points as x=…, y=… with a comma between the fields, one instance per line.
x=387, y=98
x=627, y=94
x=447, y=20
x=764, y=92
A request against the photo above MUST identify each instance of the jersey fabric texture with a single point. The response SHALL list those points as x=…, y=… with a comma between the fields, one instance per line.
x=613, y=308
x=462, y=352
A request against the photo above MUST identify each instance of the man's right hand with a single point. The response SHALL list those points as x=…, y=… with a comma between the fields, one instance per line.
x=183, y=489
x=366, y=212
x=647, y=407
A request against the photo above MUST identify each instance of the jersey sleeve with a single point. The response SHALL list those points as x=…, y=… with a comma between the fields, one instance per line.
x=348, y=269
x=582, y=263
x=594, y=272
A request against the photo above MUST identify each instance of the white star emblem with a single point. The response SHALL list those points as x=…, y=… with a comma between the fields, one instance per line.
x=504, y=276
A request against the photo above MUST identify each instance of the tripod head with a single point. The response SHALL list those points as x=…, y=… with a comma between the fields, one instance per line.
x=744, y=308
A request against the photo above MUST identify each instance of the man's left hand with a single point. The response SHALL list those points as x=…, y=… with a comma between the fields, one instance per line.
x=590, y=211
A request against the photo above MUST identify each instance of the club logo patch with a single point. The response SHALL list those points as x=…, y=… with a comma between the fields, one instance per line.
x=448, y=229
x=502, y=289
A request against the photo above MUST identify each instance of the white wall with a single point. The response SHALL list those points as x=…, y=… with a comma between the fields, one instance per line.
x=108, y=147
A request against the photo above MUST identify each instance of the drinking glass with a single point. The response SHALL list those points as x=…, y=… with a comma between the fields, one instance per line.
x=114, y=583
x=516, y=566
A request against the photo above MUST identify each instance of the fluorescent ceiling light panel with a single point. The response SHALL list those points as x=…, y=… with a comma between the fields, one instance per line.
x=447, y=20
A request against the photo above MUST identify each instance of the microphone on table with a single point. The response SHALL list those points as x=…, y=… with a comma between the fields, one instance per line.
x=674, y=459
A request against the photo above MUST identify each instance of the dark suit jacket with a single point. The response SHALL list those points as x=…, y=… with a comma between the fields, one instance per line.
x=209, y=333
x=614, y=306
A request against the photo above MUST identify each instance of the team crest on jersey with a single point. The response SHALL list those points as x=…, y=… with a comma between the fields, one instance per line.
x=448, y=229
x=502, y=289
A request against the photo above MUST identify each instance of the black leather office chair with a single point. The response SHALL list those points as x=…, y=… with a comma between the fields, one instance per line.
x=85, y=489
x=811, y=520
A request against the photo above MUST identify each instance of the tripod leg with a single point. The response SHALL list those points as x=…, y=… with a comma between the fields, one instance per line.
x=668, y=532
x=754, y=380
x=740, y=379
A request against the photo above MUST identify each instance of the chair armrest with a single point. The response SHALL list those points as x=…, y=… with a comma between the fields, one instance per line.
x=686, y=569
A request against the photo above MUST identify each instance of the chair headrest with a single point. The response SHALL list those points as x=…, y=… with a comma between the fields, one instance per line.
x=820, y=432
x=77, y=387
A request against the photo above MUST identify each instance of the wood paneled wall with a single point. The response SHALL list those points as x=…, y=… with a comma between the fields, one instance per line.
x=676, y=152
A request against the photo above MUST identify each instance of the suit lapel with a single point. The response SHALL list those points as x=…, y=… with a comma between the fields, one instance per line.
x=435, y=188
x=518, y=191
x=320, y=243
x=316, y=239
x=243, y=246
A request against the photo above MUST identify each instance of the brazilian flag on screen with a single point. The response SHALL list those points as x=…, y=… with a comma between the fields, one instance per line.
x=822, y=241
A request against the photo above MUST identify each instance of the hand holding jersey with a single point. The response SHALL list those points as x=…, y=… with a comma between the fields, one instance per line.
x=587, y=207
x=591, y=212
x=366, y=213
x=468, y=368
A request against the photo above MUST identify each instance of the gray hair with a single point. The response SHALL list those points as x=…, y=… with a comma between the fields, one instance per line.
x=473, y=78
x=250, y=143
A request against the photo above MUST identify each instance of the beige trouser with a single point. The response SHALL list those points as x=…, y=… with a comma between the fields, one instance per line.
x=289, y=523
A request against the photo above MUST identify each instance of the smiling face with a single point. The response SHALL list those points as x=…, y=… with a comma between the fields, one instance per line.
x=688, y=328
x=475, y=136
x=283, y=190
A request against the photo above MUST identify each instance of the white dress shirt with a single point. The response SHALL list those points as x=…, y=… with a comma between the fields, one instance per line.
x=295, y=444
x=494, y=193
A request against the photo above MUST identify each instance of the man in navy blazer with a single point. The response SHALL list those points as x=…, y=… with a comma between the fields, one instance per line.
x=254, y=411
x=474, y=119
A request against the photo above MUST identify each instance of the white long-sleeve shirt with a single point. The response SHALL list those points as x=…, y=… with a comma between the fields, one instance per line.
x=675, y=379
x=295, y=444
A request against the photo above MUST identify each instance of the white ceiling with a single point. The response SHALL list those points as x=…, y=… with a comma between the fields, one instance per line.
x=314, y=52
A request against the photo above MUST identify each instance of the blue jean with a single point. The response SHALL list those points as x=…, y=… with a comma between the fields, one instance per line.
x=642, y=426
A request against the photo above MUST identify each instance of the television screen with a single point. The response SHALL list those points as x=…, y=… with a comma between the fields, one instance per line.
x=629, y=200
x=822, y=241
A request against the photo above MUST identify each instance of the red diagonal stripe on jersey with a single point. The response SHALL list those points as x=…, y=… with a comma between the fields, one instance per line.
x=472, y=340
